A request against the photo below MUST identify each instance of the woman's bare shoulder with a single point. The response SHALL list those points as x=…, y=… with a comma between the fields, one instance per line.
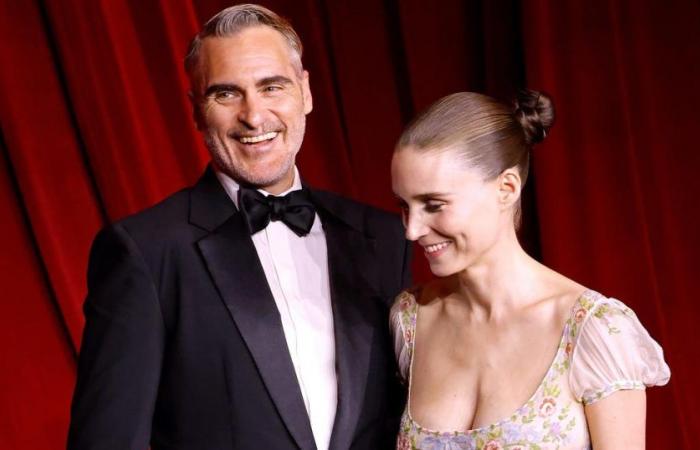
x=560, y=293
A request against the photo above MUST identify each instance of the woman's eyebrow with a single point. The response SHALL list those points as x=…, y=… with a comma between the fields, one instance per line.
x=430, y=195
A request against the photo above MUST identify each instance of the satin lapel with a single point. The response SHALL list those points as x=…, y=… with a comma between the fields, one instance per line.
x=235, y=268
x=348, y=253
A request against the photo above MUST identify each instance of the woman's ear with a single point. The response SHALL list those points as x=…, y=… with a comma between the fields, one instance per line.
x=509, y=187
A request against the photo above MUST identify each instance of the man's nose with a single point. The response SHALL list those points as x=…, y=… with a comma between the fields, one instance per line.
x=415, y=227
x=251, y=112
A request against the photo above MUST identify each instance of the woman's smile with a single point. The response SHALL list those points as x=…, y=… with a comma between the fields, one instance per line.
x=433, y=251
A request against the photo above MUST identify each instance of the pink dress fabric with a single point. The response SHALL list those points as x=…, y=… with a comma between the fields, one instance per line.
x=603, y=349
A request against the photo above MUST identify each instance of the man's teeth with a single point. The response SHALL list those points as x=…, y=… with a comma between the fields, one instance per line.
x=435, y=247
x=258, y=138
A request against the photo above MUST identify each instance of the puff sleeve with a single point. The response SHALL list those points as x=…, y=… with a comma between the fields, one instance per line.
x=402, y=331
x=613, y=351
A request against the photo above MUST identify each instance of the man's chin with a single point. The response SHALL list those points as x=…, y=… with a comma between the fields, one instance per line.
x=262, y=178
x=277, y=184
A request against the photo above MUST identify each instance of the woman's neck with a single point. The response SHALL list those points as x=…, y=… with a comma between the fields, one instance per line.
x=503, y=280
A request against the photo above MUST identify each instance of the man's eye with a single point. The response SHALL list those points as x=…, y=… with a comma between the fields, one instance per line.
x=223, y=96
x=272, y=88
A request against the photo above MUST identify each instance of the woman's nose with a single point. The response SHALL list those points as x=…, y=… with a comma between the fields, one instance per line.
x=415, y=227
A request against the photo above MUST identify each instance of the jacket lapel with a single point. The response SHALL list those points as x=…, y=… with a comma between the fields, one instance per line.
x=349, y=250
x=234, y=266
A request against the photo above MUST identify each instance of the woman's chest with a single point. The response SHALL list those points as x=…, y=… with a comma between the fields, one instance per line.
x=481, y=376
x=550, y=418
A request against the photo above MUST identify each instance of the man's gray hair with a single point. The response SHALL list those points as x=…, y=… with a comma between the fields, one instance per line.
x=230, y=21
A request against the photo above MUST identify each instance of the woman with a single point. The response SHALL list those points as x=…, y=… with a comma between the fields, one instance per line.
x=500, y=351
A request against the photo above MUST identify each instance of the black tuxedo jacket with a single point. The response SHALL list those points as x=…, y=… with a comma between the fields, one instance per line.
x=183, y=346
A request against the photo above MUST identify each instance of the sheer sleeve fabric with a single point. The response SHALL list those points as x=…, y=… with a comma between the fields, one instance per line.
x=402, y=330
x=613, y=352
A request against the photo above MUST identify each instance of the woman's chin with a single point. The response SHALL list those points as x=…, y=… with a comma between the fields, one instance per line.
x=441, y=270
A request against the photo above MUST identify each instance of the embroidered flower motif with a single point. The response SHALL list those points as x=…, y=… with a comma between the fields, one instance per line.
x=408, y=335
x=580, y=315
x=555, y=429
x=569, y=347
x=532, y=434
x=493, y=445
x=547, y=407
x=511, y=431
x=445, y=441
x=403, y=443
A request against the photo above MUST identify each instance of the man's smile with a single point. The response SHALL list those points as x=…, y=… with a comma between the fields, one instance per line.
x=257, y=138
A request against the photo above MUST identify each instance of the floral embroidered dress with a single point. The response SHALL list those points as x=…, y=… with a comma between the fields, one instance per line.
x=604, y=348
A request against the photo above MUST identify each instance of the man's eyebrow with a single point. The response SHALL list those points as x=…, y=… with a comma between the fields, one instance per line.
x=216, y=88
x=275, y=79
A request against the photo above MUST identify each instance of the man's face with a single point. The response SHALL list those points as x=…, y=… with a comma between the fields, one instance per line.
x=251, y=98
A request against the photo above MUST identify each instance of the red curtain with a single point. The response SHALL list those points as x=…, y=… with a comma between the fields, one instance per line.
x=95, y=124
x=616, y=183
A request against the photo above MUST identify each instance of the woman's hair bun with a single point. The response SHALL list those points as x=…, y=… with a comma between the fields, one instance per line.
x=535, y=112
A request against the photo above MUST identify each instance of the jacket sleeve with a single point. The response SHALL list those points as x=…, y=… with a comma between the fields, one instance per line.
x=122, y=347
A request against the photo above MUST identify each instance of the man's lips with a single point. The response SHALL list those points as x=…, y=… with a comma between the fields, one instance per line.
x=255, y=139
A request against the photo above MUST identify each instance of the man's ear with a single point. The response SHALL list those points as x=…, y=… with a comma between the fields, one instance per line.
x=509, y=187
x=306, y=92
x=196, y=111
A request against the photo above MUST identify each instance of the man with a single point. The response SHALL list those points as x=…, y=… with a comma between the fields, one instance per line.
x=249, y=311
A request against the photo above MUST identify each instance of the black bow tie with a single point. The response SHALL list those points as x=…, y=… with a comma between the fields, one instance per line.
x=294, y=209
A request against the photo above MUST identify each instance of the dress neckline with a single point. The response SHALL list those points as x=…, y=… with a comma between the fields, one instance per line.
x=560, y=351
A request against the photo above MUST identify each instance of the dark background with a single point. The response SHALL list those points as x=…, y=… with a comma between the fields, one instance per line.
x=95, y=124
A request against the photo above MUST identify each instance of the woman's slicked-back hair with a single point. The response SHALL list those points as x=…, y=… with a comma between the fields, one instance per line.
x=483, y=133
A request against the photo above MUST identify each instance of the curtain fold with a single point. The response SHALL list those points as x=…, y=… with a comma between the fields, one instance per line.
x=95, y=124
x=624, y=78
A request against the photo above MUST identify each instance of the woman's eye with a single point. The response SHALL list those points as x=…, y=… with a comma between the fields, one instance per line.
x=433, y=207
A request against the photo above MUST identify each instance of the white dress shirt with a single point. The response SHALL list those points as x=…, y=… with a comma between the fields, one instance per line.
x=296, y=269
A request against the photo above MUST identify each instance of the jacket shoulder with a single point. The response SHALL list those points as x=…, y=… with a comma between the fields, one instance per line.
x=162, y=218
x=360, y=216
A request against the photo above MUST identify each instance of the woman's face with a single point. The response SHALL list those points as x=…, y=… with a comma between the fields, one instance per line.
x=454, y=214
